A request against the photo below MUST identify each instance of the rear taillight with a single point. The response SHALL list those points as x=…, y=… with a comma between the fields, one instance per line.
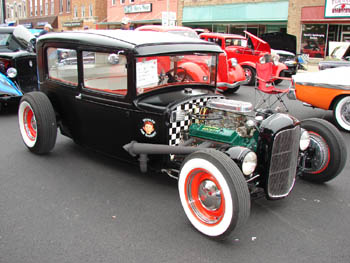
x=4, y=65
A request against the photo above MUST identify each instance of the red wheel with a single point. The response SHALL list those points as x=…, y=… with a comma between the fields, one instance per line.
x=213, y=193
x=28, y=124
x=37, y=122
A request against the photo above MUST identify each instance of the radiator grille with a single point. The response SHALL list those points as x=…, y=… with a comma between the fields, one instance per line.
x=27, y=74
x=283, y=163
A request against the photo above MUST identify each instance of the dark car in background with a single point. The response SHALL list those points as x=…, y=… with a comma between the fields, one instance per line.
x=18, y=66
x=284, y=45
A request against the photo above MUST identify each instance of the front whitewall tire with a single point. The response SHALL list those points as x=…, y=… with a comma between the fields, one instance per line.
x=229, y=193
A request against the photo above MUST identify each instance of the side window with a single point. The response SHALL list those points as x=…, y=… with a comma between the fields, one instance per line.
x=62, y=65
x=105, y=72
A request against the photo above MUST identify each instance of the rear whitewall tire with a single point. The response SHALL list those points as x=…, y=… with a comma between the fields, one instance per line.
x=342, y=106
x=37, y=122
x=28, y=137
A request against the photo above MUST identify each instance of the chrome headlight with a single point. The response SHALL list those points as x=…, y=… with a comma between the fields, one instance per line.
x=276, y=59
x=262, y=60
x=244, y=158
x=11, y=73
x=249, y=163
x=304, y=140
x=233, y=62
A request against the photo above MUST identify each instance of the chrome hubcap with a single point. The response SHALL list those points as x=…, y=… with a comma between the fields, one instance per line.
x=345, y=112
x=209, y=195
x=30, y=123
x=320, y=156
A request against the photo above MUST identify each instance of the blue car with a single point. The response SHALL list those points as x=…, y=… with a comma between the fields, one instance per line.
x=9, y=91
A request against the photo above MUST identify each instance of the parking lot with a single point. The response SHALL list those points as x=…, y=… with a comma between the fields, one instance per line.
x=75, y=205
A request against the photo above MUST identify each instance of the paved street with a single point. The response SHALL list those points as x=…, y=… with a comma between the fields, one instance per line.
x=76, y=206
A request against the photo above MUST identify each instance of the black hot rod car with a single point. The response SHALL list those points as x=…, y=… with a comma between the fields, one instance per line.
x=149, y=98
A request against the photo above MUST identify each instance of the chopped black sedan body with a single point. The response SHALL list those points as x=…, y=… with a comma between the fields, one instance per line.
x=149, y=98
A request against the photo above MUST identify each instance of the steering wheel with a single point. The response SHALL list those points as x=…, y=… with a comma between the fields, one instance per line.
x=180, y=76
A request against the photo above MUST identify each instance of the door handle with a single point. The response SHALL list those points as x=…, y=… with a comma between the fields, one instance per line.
x=78, y=97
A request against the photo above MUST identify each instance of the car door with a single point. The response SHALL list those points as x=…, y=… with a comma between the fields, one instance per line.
x=102, y=106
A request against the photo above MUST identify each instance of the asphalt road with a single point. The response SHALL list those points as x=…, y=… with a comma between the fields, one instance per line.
x=77, y=206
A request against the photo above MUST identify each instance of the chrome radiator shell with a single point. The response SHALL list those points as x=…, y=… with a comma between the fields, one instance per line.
x=283, y=163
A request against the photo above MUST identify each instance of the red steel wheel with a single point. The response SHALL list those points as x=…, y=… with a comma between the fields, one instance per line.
x=37, y=122
x=213, y=193
x=29, y=124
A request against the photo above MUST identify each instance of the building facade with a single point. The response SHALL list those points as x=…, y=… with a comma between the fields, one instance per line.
x=83, y=14
x=315, y=23
x=141, y=12
x=15, y=10
x=235, y=16
x=319, y=23
x=40, y=12
x=63, y=15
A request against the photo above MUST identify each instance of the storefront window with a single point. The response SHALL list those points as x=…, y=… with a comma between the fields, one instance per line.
x=313, y=40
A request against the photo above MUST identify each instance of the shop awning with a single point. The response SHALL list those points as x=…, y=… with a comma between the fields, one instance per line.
x=247, y=12
x=132, y=22
x=315, y=14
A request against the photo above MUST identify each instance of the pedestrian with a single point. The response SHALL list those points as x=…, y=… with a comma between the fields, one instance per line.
x=47, y=28
x=126, y=23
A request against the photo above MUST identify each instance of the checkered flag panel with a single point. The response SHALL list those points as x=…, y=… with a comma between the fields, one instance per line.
x=190, y=107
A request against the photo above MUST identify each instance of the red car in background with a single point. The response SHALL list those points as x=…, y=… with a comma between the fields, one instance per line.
x=247, y=50
x=230, y=74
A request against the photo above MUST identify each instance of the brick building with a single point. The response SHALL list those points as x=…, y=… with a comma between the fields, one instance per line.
x=15, y=10
x=62, y=14
x=83, y=14
x=140, y=12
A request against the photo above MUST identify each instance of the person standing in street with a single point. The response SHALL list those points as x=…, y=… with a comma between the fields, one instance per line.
x=47, y=28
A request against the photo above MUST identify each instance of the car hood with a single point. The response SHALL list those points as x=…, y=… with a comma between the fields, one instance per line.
x=25, y=38
x=340, y=51
x=258, y=43
x=333, y=76
x=281, y=41
x=8, y=87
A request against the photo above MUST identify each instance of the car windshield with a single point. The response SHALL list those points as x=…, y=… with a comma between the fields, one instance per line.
x=339, y=52
x=185, y=33
x=165, y=71
x=8, y=42
x=235, y=42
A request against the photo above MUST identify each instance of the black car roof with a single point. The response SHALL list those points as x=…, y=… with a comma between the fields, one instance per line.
x=6, y=29
x=140, y=42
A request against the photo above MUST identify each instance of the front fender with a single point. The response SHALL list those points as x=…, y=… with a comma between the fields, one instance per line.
x=8, y=87
x=248, y=63
x=194, y=70
x=279, y=68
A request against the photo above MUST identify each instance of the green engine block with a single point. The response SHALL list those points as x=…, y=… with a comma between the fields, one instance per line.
x=223, y=135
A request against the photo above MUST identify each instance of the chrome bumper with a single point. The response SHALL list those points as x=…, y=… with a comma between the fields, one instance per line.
x=231, y=86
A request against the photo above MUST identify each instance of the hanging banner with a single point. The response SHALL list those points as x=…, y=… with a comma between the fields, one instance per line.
x=337, y=8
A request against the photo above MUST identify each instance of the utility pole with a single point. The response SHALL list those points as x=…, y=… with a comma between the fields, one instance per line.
x=3, y=11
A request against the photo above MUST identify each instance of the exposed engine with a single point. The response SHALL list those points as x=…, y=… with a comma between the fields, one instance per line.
x=225, y=121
